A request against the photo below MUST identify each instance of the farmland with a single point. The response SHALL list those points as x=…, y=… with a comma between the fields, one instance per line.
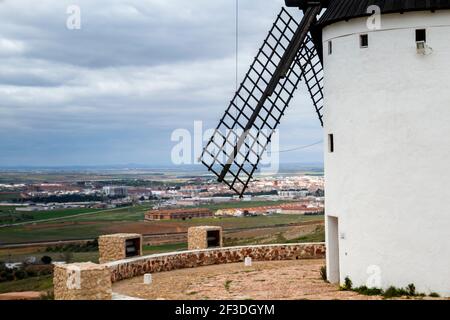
x=9, y=215
x=131, y=220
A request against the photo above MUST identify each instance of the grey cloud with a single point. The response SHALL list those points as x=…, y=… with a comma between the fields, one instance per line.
x=135, y=71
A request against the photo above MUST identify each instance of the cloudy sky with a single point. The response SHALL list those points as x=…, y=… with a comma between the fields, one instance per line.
x=113, y=91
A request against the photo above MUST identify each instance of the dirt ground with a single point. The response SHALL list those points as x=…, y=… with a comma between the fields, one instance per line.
x=27, y=295
x=277, y=280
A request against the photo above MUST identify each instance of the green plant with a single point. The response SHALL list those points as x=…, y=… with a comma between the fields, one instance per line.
x=46, y=260
x=227, y=285
x=368, y=291
x=434, y=295
x=49, y=295
x=393, y=292
x=323, y=273
x=20, y=274
x=347, y=284
x=411, y=289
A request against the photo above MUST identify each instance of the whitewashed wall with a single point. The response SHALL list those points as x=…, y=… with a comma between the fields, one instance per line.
x=388, y=181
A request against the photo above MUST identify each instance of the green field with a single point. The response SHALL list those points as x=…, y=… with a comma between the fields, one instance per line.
x=247, y=222
x=165, y=248
x=135, y=213
x=18, y=255
x=242, y=204
x=42, y=283
x=6, y=196
x=42, y=215
x=8, y=215
x=93, y=227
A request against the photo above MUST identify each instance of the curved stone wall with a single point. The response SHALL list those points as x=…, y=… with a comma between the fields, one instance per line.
x=129, y=268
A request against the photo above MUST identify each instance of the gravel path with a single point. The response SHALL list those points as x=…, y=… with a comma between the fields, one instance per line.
x=276, y=280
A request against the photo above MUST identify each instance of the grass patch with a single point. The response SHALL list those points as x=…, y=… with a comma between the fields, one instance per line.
x=389, y=293
x=317, y=236
x=323, y=273
x=41, y=283
x=369, y=291
x=348, y=284
x=227, y=285
x=164, y=248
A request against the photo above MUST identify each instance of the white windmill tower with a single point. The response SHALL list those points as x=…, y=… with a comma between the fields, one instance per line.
x=382, y=94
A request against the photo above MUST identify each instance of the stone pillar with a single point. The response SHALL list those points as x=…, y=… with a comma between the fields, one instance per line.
x=82, y=281
x=119, y=246
x=204, y=237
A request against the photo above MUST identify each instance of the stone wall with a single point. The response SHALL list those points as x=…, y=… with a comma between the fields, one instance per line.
x=130, y=268
x=82, y=281
x=198, y=237
x=113, y=247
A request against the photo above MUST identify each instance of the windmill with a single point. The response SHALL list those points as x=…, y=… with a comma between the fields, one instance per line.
x=291, y=53
x=386, y=117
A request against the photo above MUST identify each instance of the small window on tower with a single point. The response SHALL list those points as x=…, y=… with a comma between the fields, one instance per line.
x=364, y=41
x=331, y=143
x=330, y=47
x=421, y=35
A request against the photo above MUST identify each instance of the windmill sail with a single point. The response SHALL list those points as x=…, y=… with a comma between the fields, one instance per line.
x=245, y=130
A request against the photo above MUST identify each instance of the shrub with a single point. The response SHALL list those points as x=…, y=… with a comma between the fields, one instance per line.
x=323, y=273
x=411, y=289
x=434, y=295
x=369, y=291
x=347, y=284
x=32, y=273
x=20, y=274
x=3, y=276
x=46, y=260
x=49, y=295
x=44, y=272
x=393, y=292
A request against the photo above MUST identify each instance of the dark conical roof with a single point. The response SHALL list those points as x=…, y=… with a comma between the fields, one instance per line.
x=338, y=10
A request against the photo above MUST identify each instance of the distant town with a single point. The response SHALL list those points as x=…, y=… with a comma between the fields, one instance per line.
x=173, y=198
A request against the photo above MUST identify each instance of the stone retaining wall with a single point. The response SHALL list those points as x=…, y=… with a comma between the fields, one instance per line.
x=129, y=268
x=113, y=247
x=82, y=281
x=198, y=237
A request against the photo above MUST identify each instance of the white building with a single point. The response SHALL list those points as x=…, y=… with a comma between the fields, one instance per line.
x=113, y=191
x=293, y=193
x=387, y=127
